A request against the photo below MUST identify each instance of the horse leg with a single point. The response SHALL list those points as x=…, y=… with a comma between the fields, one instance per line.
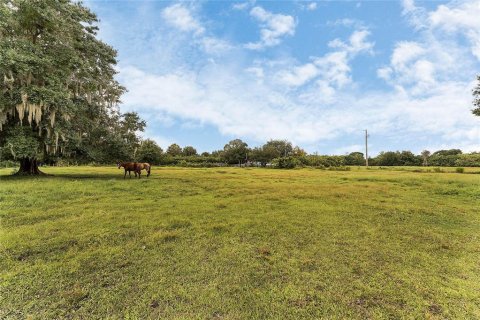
x=125, y=174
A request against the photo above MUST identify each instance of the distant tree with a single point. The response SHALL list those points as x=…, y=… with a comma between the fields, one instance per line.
x=130, y=125
x=476, y=98
x=205, y=154
x=298, y=152
x=355, y=159
x=425, y=155
x=449, y=152
x=445, y=158
x=407, y=158
x=279, y=148
x=259, y=155
x=150, y=152
x=174, y=150
x=235, y=151
x=388, y=158
x=217, y=153
x=189, y=151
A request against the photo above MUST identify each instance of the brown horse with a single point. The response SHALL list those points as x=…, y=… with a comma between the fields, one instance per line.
x=143, y=166
x=136, y=167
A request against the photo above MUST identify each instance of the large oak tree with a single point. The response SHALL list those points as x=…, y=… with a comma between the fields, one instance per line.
x=57, y=86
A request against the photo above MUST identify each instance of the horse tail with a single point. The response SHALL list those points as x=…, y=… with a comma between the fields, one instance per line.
x=149, y=168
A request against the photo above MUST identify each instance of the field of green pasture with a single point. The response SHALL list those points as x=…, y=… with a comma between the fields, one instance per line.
x=236, y=243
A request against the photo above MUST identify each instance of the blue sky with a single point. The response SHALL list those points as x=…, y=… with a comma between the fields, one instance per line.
x=315, y=73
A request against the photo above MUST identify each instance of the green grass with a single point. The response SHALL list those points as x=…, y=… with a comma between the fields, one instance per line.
x=231, y=243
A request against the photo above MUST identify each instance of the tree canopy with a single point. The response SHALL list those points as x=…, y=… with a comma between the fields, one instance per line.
x=189, y=151
x=235, y=151
x=150, y=152
x=174, y=150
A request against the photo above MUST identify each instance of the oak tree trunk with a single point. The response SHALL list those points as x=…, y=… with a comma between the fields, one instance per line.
x=29, y=166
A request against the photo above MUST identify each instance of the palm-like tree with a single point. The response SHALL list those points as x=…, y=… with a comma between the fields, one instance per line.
x=425, y=155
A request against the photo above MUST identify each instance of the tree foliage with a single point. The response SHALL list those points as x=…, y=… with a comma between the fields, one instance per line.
x=150, y=152
x=355, y=159
x=174, y=150
x=235, y=151
x=189, y=151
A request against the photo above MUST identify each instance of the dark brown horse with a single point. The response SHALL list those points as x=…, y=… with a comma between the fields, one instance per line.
x=136, y=167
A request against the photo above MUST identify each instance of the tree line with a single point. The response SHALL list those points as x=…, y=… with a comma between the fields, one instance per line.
x=281, y=154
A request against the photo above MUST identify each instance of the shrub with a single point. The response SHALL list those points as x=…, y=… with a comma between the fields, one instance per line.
x=460, y=170
x=322, y=161
x=286, y=163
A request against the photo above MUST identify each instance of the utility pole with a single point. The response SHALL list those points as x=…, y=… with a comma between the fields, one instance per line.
x=366, y=148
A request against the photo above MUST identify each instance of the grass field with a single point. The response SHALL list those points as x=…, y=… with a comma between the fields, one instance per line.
x=232, y=243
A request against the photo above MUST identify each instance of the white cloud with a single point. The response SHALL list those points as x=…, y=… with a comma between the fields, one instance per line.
x=183, y=19
x=311, y=6
x=420, y=66
x=331, y=70
x=404, y=52
x=212, y=45
x=409, y=66
x=464, y=16
x=347, y=22
x=464, y=19
x=180, y=17
x=240, y=6
x=356, y=43
x=299, y=75
x=416, y=15
x=273, y=28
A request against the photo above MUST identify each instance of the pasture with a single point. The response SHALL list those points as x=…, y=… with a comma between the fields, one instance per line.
x=236, y=243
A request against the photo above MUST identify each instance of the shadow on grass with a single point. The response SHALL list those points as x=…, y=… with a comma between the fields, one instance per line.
x=70, y=176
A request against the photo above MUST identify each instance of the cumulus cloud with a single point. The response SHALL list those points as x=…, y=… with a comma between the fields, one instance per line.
x=180, y=17
x=240, y=6
x=332, y=71
x=357, y=42
x=273, y=28
x=420, y=66
x=416, y=15
x=463, y=19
